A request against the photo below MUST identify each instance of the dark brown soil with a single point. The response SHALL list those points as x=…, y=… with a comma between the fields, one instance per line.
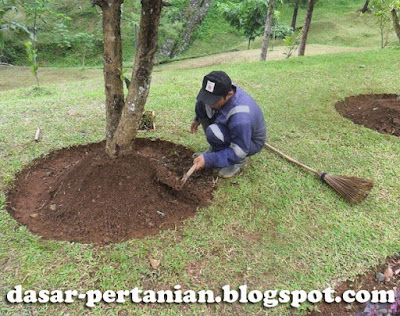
x=80, y=194
x=367, y=282
x=380, y=112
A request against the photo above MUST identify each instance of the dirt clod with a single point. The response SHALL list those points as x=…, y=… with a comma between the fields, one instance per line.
x=80, y=194
x=380, y=112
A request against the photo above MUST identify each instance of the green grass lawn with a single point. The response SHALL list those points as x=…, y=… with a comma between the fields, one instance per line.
x=273, y=227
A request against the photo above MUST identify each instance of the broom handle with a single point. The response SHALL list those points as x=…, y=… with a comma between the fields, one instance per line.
x=317, y=173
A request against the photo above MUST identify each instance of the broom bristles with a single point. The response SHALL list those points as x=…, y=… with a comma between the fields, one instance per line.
x=352, y=189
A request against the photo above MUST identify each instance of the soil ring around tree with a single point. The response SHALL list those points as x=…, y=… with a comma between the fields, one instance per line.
x=380, y=112
x=79, y=194
x=369, y=282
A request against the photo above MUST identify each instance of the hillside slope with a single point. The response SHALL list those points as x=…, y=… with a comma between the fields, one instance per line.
x=335, y=23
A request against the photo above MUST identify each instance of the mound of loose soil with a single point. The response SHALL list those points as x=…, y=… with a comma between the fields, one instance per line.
x=380, y=112
x=80, y=194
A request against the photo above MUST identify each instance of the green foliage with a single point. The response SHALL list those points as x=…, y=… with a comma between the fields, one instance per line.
x=291, y=43
x=381, y=11
x=32, y=56
x=172, y=24
x=85, y=43
x=280, y=31
x=61, y=32
x=247, y=15
x=4, y=8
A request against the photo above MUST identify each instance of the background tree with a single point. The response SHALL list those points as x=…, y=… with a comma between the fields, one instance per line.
x=296, y=6
x=291, y=42
x=385, y=13
x=32, y=56
x=247, y=15
x=34, y=11
x=365, y=7
x=295, y=12
x=306, y=27
x=123, y=116
x=267, y=30
x=13, y=26
x=4, y=8
x=395, y=17
x=85, y=44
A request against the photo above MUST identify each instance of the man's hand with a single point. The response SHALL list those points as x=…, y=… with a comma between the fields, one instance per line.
x=199, y=162
x=194, y=126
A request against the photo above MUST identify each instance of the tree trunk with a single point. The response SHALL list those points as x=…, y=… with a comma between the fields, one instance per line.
x=122, y=141
x=365, y=8
x=267, y=31
x=112, y=63
x=295, y=11
x=396, y=23
x=123, y=117
x=306, y=27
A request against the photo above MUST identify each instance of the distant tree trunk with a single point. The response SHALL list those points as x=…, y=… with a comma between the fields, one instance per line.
x=365, y=8
x=123, y=117
x=396, y=23
x=306, y=27
x=193, y=16
x=267, y=30
x=295, y=11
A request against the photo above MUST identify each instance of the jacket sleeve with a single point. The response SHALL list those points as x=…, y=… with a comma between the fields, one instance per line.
x=240, y=131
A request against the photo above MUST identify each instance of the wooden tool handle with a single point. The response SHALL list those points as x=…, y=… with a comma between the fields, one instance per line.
x=188, y=174
x=317, y=173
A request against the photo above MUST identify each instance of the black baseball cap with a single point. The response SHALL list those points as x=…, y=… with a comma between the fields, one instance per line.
x=216, y=85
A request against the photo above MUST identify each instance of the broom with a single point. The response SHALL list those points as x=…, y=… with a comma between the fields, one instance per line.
x=352, y=189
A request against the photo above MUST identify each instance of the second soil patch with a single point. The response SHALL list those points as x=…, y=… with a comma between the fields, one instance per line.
x=380, y=112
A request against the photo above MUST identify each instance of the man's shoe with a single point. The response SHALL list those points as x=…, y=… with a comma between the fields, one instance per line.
x=199, y=153
x=230, y=171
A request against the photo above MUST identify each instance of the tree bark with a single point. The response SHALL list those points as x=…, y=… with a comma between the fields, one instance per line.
x=365, y=8
x=125, y=133
x=112, y=63
x=306, y=27
x=396, y=23
x=123, y=116
x=267, y=31
x=295, y=11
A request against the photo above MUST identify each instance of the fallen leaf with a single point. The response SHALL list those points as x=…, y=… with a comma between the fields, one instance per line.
x=388, y=273
x=397, y=271
x=155, y=263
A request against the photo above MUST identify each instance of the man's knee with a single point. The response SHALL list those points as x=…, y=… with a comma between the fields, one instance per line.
x=218, y=136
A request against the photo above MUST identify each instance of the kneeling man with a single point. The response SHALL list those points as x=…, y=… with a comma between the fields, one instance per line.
x=233, y=123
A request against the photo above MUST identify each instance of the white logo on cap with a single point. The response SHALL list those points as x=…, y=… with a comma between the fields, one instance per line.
x=210, y=86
